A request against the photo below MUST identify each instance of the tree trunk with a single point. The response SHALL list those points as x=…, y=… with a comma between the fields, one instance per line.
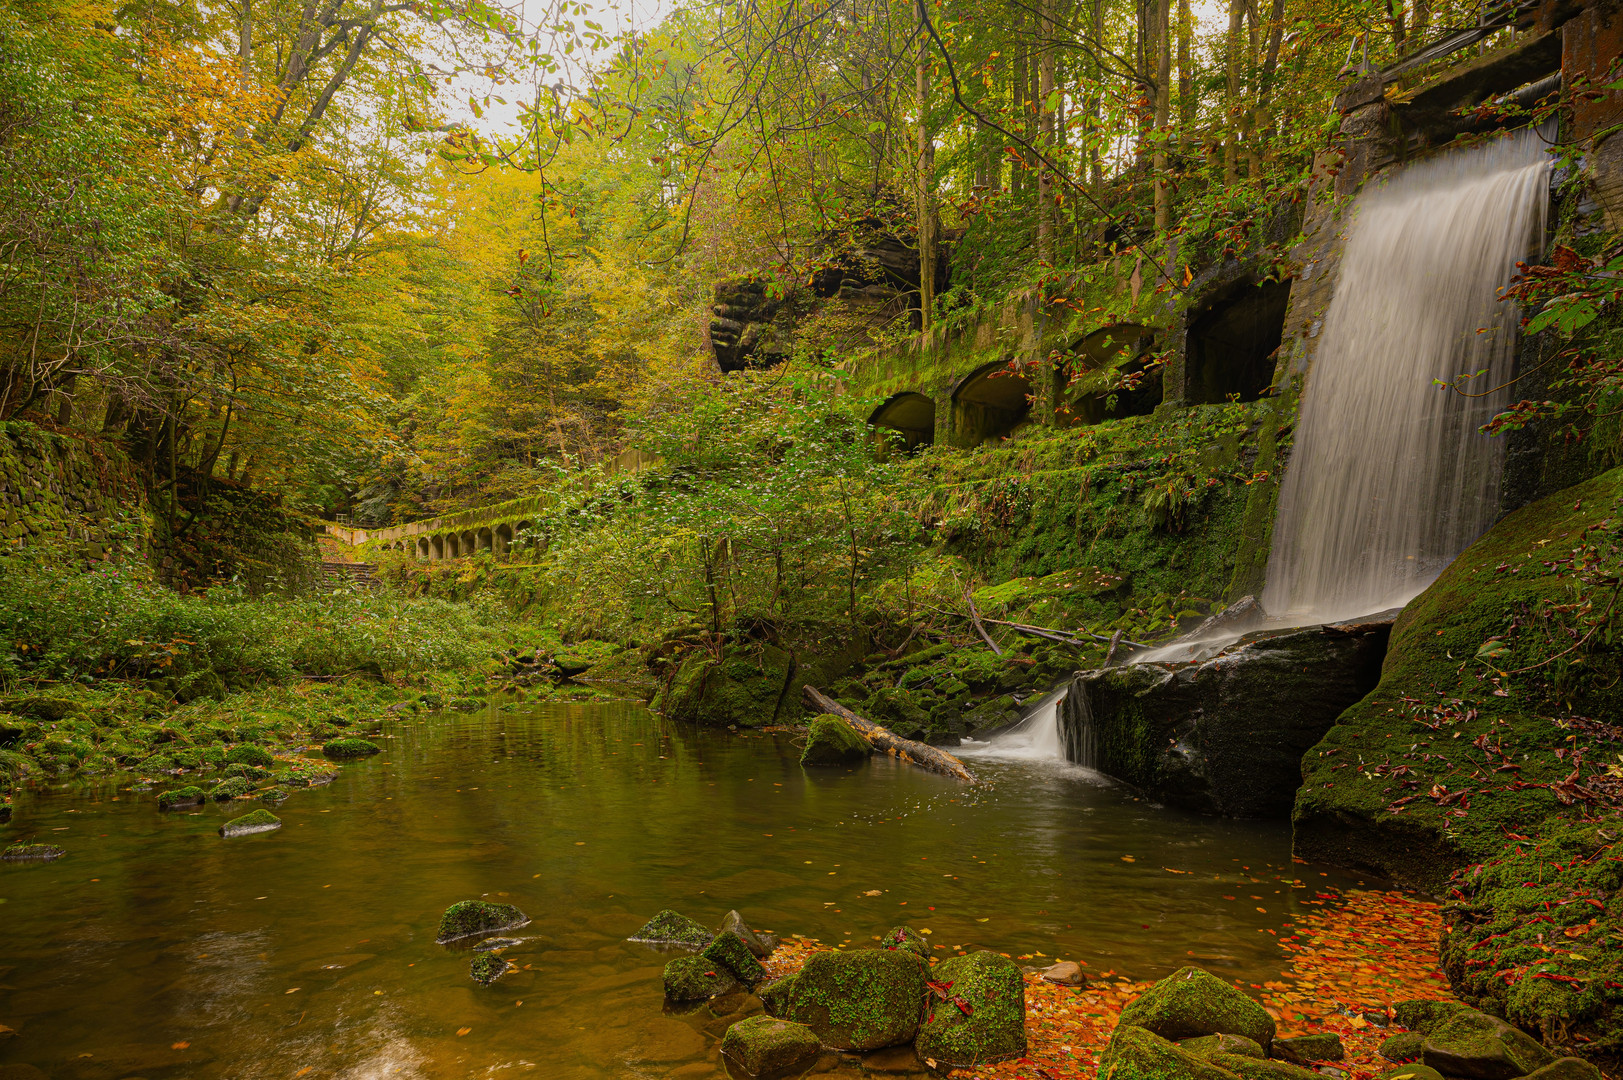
x=926, y=180
x=881, y=738
x=1046, y=127
x=1231, y=98
x=1163, y=107
x=1186, y=71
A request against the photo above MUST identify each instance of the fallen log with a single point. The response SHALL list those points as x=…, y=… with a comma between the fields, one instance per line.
x=881, y=738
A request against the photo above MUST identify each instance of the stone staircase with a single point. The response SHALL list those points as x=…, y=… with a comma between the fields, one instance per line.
x=357, y=575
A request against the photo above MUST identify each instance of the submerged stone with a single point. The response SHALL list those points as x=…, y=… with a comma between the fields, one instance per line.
x=256, y=821
x=179, y=797
x=905, y=939
x=673, y=928
x=32, y=853
x=1567, y=1068
x=486, y=968
x=693, y=978
x=1308, y=1049
x=470, y=918
x=1143, y=1055
x=830, y=740
x=762, y=1047
x=730, y=951
x=350, y=748
x=1477, y=1046
x=1192, y=1002
x=860, y=1000
x=734, y=922
x=983, y=1016
x=1065, y=973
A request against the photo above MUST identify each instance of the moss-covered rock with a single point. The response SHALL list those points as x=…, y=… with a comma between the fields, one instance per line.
x=762, y=1047
x=1413, y=1071
x=486, y=968
x=749, y=688
x=1207, y=1045
x=776, y=995
x=1474, y=1044
x=236, y=787
x=470, y=918
x=832, y=741
x=1403, y=1047
x=1308, y=1049
x=905, y=939
x=730, y=951
x=983, y=1016
x=1136, y=1054
x=759, y=947
x=1250, y=1068
x=1567, y=1068
x=673, y=928
x=1424, y=1014
x=350, y=748
x=861, y=1000
x=181, y=797
x=694, y=978
x=32, y=853
x=1192, y=1002
x=250, y=754
x=255, y=821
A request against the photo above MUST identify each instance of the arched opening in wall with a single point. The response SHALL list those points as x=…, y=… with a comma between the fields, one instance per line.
x=467, y=543
x=423, y=552
x=524, y=535
x=1231, y=341
x=1110, y=374
x=485, y=540
x=437, y=545
x=910, y=414
x=504, y=538
x=989, y=403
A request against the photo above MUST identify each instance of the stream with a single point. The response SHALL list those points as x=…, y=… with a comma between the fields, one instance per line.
x=156, y=949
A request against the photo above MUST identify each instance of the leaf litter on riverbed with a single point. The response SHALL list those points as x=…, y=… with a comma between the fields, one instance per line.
x=1359, y=953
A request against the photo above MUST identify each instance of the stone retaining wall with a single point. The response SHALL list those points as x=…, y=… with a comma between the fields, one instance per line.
x=70, y=492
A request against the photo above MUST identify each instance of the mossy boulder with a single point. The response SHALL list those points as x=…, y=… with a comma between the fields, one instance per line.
x=236, y=787
x=861, y=1000
x=730, y=951
x=748, y=688
x=1567, y=1068
x=762, y=1047
x=1308, y=1049
x=759, y=947
x=250, y=754
x=486, y=968
x=1250, y=1068
x=673, y=928
x=1207, y=1045
x=32, y=853
x=905, y=939
x=694, y=978
x=1425, y=1014
x=897, y=709
x=181, y=797
x=832, y=741
x=1137, y=1054
x=776, y=995
x=350, y=748
x=1482, y=1047
x=255, y=821
x=1414, y=1071
x=983, y=1016
x=1192, y=1002
x=1403, y=1047
x=470, y=918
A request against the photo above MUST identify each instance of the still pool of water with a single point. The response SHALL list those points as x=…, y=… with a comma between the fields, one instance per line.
x=156, y=949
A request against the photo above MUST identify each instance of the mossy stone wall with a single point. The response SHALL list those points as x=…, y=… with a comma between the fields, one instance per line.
x=74, y=494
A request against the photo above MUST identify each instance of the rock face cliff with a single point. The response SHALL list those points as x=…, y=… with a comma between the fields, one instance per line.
x=1226, y=735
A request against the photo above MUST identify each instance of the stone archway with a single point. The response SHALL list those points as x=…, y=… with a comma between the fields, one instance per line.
x=911, y=414
x=1089, y=383
x=437, y=547
x=422, y=549
x=503, y=538
x=989, y=403
x=485, y=540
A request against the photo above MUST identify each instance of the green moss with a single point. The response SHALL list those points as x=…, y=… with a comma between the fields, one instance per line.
x=186, y=796
x=235, y=788
x=673, y=928
x=32, y=853
x=832, y=741
x=762, y=1047
x=256, y=821
x=983, y=1016
x=860, y=1000
x=1192, y=1002
x=1403, y=1047
x=469, y=918
x=694, y=978
x=486, y=968
x=776, y=995
x=249, y=754
x=730, y=951
x=1250, y=1068
x=350, y=748
x=1137, y=1054
x=906, y=939
x=1207, y=1045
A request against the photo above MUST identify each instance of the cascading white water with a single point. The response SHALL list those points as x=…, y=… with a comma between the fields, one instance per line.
x=1035, y=738
x=1390, y=477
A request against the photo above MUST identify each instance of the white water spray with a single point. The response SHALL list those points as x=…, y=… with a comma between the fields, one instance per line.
x=1390, y=477
x=1036, y=738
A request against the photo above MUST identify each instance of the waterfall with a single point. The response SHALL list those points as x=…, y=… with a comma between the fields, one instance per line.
x=1390, y=477
x=1036, y=737
x=1081, y=741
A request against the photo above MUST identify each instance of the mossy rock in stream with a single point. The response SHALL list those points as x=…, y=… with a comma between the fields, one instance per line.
x=180, y=797
x=236, y=787
x=486, y=968
x=1249, y=1068
x=1471, y=1043
x=470, y=918
x=32, y=853
x=257, y=821
x=747, y=689
x=762, y=1047
x=862, y=1000
x=776, y=995
x=830, y=740
x=905, y=939
x=1137, y=1054
x=983, y=1018
x=1192, y=1002
x=673, y=928
x=350, y=748
x=250, y=754
x=733, y=953
x=694, y=978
